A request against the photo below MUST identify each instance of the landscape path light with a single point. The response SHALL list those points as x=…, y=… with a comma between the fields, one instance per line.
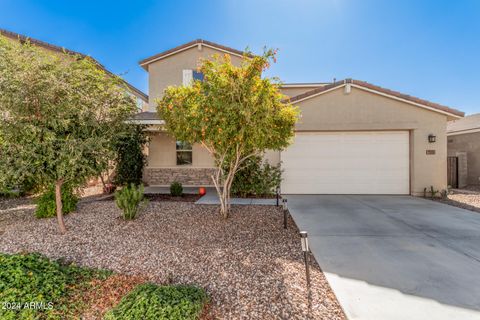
x=306, y=257
x=285, y=213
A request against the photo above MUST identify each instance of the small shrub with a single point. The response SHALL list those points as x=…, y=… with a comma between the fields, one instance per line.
x=176, y=189
x=433, y=192
x=444, y=193
x=130, y=199
x=10, y=193
x=149, y=301
x=256, y=178
x=26, y=278
x=46, y=206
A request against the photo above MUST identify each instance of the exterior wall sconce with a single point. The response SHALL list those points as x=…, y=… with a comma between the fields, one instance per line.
x=432, y=138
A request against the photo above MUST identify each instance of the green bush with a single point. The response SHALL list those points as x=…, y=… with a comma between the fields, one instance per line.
x=130, y=157
x=176, y=189
x=46, y=206
x=9, y=193
x=256, y=178
x=27, y=278
x=10, y=190
x=149, y=301
x=130, y=199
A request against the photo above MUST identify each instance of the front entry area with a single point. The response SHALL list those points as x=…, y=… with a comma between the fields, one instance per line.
x=360, y=162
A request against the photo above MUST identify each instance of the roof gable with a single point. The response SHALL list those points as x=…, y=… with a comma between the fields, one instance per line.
x=199, y=42
x=381, y=91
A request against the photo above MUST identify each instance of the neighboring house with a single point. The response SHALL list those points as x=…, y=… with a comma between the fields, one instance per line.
x=353, y=137
x=464, y=143
x=140, y=97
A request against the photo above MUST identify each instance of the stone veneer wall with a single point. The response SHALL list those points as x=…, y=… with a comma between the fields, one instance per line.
x=187, y=176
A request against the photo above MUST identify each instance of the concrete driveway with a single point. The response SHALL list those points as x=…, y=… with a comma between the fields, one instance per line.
x=394, y=257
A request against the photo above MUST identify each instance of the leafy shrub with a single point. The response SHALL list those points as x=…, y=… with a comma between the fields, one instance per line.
x=130, y=156
x=256, y=178
x=26, y=278
x=46, y=206
x=10, y=190
x=176, y=189
x=9, y=193
x=149, y=301
x=130, y=199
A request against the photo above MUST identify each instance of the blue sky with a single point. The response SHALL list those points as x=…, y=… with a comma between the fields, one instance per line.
x=430, y=49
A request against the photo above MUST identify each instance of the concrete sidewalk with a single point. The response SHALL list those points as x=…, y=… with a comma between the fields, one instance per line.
x=212, y=198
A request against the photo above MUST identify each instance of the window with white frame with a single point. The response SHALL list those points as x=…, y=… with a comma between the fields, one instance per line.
x=184, y=153
x=190, y=75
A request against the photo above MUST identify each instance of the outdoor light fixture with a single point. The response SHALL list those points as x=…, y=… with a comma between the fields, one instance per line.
x=432, y=138
x=304, y=238
x=306, y=256
x=278, y=195
x=285, y=213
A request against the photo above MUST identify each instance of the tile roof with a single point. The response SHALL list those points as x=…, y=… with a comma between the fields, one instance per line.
x=52, y=47
x=146, y=115
x=468, y=123
x=378, y=89
x=187, y=45
x=305, y=84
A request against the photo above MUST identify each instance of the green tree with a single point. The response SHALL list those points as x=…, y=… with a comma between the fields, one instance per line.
x=234, y=113
x=60, y=116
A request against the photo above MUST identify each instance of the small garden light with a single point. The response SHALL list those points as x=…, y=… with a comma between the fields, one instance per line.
x=278, y=195
x=432, y=138
x=304, y=238
x=306, y=251
x=306, y=256
x=285, y=213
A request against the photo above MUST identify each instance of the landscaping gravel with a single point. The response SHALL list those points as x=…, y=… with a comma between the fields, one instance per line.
x=467, y=198
x=251, y=267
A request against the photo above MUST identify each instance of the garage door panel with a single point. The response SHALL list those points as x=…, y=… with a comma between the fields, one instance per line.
x=347, y=163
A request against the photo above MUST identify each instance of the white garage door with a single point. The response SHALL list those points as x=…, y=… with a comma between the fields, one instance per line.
x=347, y=163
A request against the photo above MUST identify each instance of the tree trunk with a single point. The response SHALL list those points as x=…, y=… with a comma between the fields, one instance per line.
x=58, y=203
x=104, y=185
x=222, y=192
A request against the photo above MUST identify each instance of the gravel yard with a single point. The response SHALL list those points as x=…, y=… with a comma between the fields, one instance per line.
x=468, y=198
x=251, y=267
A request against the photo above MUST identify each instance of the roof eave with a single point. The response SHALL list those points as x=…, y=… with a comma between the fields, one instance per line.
x=453, y=113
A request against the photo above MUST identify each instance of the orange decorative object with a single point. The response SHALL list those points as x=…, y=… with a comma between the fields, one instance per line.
x=202, y=191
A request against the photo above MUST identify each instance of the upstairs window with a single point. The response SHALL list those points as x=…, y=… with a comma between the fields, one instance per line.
x=184, y=153
x=190, y=75
x=197, y=75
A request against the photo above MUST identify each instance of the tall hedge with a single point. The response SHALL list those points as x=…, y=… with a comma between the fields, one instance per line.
x=130, y=156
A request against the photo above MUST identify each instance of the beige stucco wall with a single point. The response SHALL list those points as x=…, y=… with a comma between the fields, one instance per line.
x=362, y=110
x=469, y=143
x=169, y=71
x=162, y=153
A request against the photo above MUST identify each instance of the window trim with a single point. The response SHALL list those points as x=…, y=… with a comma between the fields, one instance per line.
x=190, y=150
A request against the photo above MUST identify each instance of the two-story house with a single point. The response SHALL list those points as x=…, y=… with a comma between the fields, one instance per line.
x=353, y=137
